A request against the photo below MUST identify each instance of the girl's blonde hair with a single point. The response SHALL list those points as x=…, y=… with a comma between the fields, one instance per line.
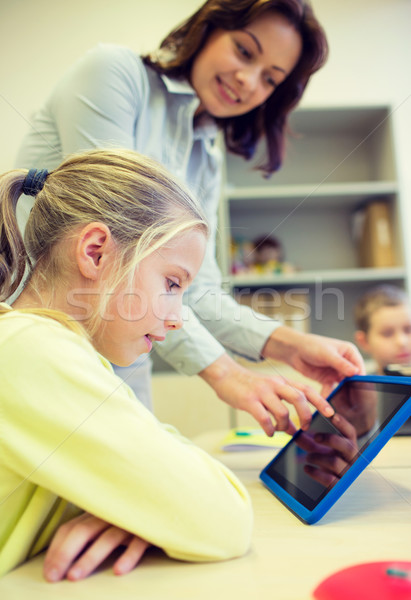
x=137, y=199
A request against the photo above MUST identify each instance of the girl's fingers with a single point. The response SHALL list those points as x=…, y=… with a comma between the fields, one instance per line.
x=131, y=556
x=83, y=544
x=99, y=550
x=68, y=542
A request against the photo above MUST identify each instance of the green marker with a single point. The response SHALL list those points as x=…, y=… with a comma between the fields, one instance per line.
x=392, y=572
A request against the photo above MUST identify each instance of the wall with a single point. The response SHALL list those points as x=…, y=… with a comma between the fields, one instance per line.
x=39, y=39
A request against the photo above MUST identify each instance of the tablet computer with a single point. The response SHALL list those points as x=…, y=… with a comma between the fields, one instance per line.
x=317, y=465
x=404, y=371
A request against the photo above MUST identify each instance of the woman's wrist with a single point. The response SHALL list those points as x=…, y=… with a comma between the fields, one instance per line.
x=218, y=370
x=282, y=344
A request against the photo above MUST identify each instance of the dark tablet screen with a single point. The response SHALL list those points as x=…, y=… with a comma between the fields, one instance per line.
x=307, y=469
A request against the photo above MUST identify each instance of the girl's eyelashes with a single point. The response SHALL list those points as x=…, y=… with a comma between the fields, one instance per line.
x=171, y=284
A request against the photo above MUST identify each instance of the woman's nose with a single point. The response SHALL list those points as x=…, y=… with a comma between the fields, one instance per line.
x=248, y=77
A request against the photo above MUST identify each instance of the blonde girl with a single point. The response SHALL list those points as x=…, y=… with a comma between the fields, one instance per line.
x=111, y=244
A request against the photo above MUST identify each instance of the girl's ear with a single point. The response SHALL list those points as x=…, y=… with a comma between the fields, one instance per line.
x=361, y=340
x=94, y=247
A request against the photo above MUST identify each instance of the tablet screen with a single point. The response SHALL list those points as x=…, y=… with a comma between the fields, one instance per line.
x=363, y=408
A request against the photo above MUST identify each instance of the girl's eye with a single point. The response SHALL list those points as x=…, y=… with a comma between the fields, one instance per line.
x=172, y=284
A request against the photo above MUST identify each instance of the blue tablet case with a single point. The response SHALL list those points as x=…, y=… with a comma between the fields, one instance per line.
x=394, y=396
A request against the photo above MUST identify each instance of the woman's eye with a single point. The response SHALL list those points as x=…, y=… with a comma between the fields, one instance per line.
x=271, y=82
x=243, y=50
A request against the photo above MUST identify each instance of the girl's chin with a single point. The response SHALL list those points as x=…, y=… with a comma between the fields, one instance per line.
x=127, y=359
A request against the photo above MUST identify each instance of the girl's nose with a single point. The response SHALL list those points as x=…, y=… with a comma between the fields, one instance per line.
x=173, y=322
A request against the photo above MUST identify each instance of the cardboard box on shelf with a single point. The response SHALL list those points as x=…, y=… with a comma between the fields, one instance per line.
x=291, y=307
x=373, y=234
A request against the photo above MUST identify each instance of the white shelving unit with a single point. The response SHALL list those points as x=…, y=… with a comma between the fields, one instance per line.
x=337, y=159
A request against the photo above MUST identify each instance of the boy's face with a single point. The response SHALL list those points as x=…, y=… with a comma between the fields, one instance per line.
x=389, y=336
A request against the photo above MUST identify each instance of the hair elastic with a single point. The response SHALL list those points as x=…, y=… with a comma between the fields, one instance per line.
x=34, y=181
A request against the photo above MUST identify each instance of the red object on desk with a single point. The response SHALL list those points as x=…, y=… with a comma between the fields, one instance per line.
x=368, y=581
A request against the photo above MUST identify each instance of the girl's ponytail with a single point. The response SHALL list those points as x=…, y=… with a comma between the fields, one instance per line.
x=13, y=253
x=137, y=199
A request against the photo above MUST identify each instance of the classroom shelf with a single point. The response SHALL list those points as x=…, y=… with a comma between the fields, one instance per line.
x=337, y=160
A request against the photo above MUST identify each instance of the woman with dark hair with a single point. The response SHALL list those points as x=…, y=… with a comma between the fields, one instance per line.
x=239, y=66
x=242, y=132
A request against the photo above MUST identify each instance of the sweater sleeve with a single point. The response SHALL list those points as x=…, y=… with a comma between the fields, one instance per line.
x=75, y=428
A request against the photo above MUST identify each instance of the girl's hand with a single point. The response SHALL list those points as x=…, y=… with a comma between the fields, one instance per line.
x=83, y=543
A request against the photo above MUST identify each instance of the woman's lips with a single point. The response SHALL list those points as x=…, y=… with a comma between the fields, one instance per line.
x=228, y=94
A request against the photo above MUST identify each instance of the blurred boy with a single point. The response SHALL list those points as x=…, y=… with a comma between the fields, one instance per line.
x=383, y=323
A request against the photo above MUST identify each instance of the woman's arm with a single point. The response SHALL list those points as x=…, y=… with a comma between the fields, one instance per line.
x=94, y=104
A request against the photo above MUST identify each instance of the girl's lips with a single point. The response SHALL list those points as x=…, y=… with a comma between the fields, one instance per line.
x=149, y=343
x=153, y=338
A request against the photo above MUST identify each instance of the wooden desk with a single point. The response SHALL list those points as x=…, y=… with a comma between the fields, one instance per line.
x=371, y=522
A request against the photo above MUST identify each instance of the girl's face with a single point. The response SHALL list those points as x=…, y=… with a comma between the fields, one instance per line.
x=147, y=311
x=238, y=70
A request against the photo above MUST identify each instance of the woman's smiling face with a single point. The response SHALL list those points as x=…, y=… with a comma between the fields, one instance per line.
x=238, y=70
